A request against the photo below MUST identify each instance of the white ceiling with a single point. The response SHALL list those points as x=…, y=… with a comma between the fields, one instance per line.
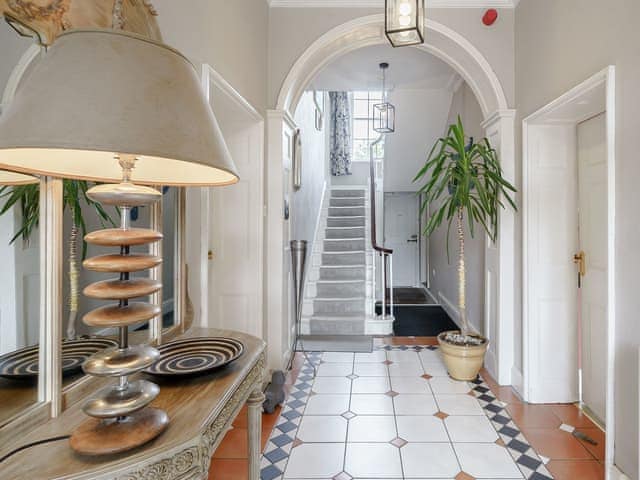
x=409, y=68
x=380, y=3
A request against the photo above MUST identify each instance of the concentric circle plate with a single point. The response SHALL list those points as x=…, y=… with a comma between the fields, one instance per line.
x=195, y=355
x=23, y=363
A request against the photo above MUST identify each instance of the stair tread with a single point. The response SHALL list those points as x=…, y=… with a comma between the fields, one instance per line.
x=344, y=252
x=340, y=299
x=345, y=239
x=355, y=316
x=360, y=265
x=342, y=281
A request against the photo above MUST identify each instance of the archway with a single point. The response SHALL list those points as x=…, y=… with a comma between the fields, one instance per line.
x=462, y=56
x=441, y=41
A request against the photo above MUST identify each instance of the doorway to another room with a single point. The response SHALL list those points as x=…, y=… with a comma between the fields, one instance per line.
x=401, y=234
x=231, y=219
x=568, y=251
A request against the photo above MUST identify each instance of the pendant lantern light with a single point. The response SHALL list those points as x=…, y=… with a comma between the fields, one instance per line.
x=404, y=22
x=384, y=114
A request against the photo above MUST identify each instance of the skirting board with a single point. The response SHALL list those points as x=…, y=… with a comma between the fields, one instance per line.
x=453, y=312
x=517, y=381
x=615, y=474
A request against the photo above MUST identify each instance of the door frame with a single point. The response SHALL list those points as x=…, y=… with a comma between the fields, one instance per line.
x=212, y=79
x=602, y=86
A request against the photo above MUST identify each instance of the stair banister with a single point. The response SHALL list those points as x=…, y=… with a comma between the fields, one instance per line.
x=385, y=253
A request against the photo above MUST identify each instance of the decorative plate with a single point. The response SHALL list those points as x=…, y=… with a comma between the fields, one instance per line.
x=195, y=355
x=23, y=363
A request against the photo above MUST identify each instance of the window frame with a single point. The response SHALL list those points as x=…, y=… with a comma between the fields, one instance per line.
x=372, y=97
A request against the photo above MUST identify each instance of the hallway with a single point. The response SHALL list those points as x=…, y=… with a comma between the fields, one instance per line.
x=395, y=414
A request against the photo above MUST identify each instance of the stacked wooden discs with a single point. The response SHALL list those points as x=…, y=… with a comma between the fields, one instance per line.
x=120, y=420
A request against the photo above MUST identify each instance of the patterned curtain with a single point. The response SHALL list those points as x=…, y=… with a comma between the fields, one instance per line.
x=340, y=133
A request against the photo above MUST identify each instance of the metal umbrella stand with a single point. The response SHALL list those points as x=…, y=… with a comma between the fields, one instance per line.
x=298, y=267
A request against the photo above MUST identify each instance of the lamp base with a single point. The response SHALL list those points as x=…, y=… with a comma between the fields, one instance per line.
x=106, y=437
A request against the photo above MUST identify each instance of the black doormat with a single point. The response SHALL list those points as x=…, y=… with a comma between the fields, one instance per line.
x=420, y=320
x=410, y=296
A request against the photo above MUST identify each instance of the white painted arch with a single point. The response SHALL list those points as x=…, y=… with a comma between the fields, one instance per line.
x=499, y=124
x=440, y=40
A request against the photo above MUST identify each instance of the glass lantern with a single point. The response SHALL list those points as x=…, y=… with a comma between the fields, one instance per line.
x=404, y=22
x=384, y=113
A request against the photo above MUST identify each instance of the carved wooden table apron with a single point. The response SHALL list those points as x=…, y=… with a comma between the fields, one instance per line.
x=200, y=409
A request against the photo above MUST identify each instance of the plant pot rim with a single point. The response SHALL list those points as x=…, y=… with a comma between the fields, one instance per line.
x=442, y=339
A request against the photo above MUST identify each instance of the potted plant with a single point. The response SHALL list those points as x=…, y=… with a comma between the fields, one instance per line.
x=464, y=181
x=27, y=197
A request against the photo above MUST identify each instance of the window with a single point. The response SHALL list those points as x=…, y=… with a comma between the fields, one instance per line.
x=363, y=133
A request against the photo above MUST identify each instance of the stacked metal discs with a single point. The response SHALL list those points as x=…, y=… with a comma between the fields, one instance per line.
x=117, y=408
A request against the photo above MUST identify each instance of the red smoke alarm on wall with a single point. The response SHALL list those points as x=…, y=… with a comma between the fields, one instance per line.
x=490, y=17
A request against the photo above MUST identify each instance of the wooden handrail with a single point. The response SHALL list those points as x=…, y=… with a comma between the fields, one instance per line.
x=372, y=180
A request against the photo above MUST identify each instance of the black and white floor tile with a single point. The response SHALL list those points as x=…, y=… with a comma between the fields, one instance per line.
x=394, y=414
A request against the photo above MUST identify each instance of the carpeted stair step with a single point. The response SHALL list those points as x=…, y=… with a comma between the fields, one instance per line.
x=346, y=211
x=343, y=258
x=344, y=245
x=347, y=193
x=343, y=325
x=340, y=289
x=345, y=221
x=345, y=232
x=338, y=306
x=346, y=202
x=354, y=272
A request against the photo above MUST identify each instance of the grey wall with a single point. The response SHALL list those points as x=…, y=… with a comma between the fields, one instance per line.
x=443, y=274
x=359, y=175
x=229, y=36
x=293, y=30
x=558, y=45
x=421, y=116
x=306, y=202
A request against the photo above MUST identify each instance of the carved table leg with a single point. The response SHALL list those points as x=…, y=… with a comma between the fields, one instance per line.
x=254, y=412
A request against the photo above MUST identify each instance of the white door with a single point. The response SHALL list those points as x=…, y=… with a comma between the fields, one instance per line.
x=236, y=221
x=401, y=235
x=592, y=188
x=552, y=239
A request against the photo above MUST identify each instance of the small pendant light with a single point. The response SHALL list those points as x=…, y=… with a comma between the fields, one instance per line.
x=384, y=114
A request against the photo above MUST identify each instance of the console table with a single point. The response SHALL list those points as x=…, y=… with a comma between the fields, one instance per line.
x=200, y=409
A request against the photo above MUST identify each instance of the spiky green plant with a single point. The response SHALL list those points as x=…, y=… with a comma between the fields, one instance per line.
x=27, y=199
x=463, y=180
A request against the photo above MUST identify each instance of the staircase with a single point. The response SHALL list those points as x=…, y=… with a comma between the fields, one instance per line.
x=339, y=293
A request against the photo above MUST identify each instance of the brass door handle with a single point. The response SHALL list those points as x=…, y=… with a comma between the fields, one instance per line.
x=580, y=259
x=210, y=255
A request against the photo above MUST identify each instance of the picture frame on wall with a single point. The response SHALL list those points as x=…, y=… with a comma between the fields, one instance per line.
x=297, y=160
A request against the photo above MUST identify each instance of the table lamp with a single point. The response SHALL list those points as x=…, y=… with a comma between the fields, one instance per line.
x=109, y=106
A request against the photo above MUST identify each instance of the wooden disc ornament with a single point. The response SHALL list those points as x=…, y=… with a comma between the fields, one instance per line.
x=121, y=419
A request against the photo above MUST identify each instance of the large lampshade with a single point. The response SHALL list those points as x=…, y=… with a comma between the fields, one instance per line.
x=404, y=22
x=98, y=94
x=14, y=178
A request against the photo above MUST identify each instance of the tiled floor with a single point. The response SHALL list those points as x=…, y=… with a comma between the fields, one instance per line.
x=395, y=414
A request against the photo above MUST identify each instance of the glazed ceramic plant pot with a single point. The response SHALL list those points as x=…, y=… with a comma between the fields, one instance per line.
x=463, y=361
